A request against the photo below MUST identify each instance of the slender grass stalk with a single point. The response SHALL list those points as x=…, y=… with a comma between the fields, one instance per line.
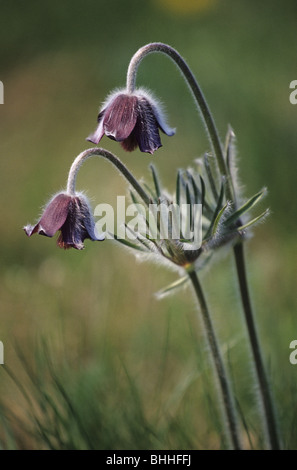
x=227, y=399
x=268, y=410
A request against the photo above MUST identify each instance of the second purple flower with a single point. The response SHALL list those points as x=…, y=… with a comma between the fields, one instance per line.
x=133, y=119
x=69, y=214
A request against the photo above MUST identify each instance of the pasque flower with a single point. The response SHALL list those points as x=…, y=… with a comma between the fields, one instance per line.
x=69, y=214
x=134, y=119
x=207, y=212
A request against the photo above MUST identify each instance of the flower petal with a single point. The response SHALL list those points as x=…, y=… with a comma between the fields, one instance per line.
x=120, y=117
x=53, y=217
x=88, y=220
x=157, y=110
x=130, y=143
x=162, y=122
x=146, y=130
x=78, y=226
x=98, y=134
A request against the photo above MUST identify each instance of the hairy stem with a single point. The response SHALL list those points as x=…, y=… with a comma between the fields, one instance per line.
x=197, y=93
x=238, y=250
x=227, y=399
x=264, y=388
x=100, y=152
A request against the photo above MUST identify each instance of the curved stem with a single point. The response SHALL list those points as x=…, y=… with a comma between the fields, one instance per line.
x=238, y=250
x=100, y=152
x=218, y=363
x=256, y=350
x=197, y=93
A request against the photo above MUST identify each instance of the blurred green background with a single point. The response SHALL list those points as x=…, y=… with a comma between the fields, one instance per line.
x=131, y=371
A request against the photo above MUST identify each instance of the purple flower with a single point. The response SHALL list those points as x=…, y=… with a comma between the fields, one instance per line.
x=134, y=119
x=72, y=216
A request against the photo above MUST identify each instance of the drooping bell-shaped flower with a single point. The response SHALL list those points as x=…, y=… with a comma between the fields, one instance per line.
x=133, y=119
x=69, y=214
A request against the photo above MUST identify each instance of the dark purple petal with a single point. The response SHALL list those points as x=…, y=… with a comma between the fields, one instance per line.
x=146, y=130
x=120, y=117
x=70, y=231
x=53, y=217
x=99, y=132
x=130, y=143
x=78, y=226
x=161, y=121
x=31, y=229
x=88, y=221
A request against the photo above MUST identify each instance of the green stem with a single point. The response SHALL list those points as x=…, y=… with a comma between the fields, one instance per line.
x=256, y=350
x=238, y=250
x=100, y=152
x=218, y=363
x=197, y=93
